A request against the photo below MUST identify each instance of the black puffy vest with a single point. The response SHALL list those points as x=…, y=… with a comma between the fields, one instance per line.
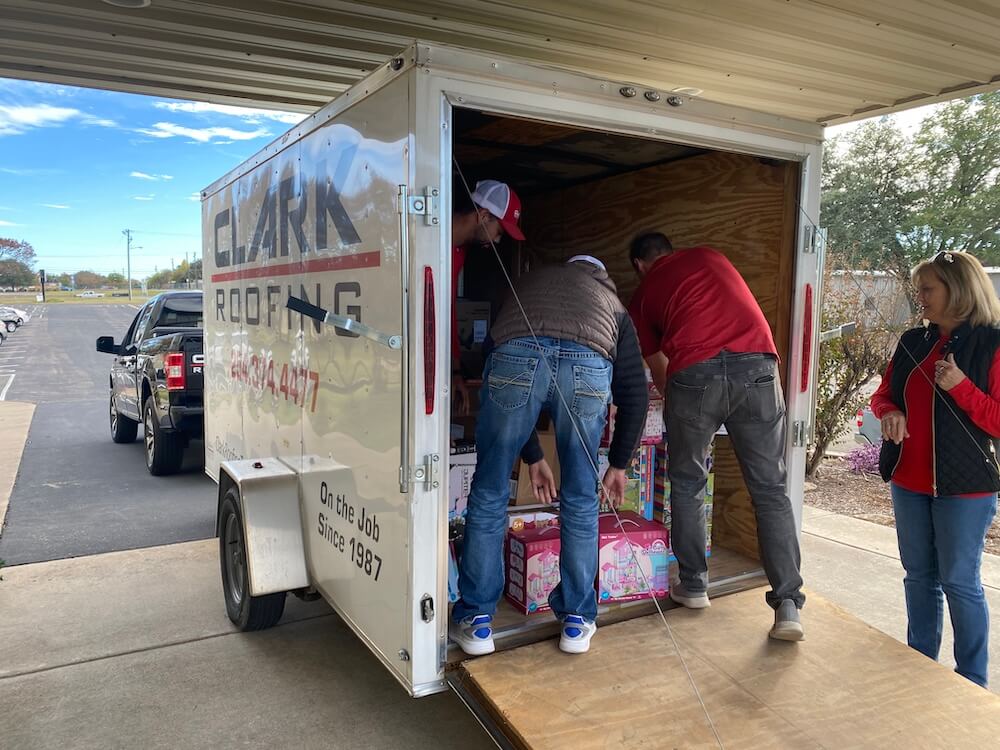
x=963, y=453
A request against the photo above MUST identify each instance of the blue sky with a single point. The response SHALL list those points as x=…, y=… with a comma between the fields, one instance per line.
x=77, y=166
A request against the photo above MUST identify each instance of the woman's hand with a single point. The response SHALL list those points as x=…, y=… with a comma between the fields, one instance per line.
x=894, y=427
x=946, y=373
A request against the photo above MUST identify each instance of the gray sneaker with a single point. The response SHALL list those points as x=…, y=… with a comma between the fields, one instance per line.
x=689, y=599
x=787, y=626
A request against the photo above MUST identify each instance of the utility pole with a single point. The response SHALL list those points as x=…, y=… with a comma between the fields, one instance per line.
x=128, y=259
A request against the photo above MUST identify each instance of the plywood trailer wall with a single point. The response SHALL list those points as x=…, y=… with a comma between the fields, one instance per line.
x=742, y=205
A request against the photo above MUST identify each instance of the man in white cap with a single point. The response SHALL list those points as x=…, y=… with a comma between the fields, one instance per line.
x=567, y=353
x=493, y=211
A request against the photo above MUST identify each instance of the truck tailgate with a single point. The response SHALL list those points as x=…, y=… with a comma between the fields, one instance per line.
x=846, y=685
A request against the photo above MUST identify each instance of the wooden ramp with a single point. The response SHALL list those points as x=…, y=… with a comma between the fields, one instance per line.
x=846, y=686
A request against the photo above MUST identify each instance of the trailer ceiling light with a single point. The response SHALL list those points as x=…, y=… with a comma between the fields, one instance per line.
x=132, y=4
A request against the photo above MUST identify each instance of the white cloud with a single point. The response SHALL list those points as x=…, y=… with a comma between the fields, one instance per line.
x=202, y=135
x=18, y=119
x=54, y=205
x=8, y=224
x=151, y=177
x=250, y=114
x=30, y=172
x=144, y=197
x=194, y=197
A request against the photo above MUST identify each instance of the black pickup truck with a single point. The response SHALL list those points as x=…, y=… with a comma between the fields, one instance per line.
x=157, y=379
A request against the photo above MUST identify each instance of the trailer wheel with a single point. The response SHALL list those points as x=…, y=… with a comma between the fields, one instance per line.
x=247, y=612
x=123, y=429
x=164, y=451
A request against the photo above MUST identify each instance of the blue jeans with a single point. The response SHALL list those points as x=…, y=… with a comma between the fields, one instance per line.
x=941, y=543
x=518, y=383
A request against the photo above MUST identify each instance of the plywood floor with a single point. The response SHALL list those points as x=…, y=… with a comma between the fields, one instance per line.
x=846, y=686
x=728, y=572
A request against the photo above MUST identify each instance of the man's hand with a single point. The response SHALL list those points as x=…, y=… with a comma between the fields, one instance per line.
x=658, y=371
x=614, y=486
x=543, y=484
x=947, y=374
x=460, y=395
x=894, y=427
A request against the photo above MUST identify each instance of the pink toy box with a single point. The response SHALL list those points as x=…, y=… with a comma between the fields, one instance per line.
x=532, y=565
x=618, y=575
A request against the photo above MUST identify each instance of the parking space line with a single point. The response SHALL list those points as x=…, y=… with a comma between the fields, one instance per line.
x=3, y=393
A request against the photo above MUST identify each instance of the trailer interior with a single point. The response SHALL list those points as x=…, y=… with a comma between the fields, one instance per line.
x=585, y=191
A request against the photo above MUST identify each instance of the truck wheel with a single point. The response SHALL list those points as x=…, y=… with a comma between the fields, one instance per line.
x=123, y=429
x=164, y=451
x=11, y=326
x=247, y=612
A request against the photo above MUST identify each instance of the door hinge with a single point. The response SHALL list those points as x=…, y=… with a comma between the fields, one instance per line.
x=799, y=434
x=429, y=472
x=425, y=205
x=813, y=239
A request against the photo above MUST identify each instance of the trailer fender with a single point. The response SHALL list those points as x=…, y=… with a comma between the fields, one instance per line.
x=272, y=526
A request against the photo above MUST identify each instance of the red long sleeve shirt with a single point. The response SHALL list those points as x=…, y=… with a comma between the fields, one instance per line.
x=915, y=471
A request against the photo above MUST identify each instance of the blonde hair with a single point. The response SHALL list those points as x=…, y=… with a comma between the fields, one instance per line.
x=971, y=296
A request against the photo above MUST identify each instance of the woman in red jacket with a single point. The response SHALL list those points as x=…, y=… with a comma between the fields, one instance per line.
x=939, y=404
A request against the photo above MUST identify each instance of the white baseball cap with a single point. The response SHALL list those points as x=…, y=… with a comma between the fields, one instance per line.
x=587, y=259
x=502, y=202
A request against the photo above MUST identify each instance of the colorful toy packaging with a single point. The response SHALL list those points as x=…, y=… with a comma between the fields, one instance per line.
x=639, y=475
x=652, y=433
x=452, y=574
x=532, y=564
x=461, y=468
x=618, y=570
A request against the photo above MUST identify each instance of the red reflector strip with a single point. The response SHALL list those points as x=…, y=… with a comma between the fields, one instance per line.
x=807, y=339
x=173, y=368
x=430, y=341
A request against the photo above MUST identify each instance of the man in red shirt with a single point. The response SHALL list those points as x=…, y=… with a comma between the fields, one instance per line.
x=492, y=211
x=712, y=356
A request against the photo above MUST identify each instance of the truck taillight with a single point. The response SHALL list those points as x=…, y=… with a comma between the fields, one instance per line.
x=430, y=341
x=861, y=417
x=174, y=369
x=807, y=339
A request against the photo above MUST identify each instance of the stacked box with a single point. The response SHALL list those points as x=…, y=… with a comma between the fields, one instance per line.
x=661, y=493
x=460, y=471
x=639, y=480
x=531, y=558
x=653, y=429
x=631, y=552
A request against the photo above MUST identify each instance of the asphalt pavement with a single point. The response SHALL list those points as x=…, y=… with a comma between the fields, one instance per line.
x=77, y=492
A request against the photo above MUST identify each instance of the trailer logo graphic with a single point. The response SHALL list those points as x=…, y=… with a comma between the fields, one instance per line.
x=271, y=236
x=360, y=544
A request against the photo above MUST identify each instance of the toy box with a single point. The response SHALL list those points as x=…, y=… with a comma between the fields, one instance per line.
x=460, y=470
x=618, y=570
x=532, y=566
x=452, y=574
x=639, y=475
x=653, y=429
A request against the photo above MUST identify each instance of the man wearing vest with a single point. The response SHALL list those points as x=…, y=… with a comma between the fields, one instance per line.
x=492, y=211
x=578, y=351
x=713, y=358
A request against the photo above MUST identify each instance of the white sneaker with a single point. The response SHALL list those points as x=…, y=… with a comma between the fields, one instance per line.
x=474, y=635
x=576, y=634
x=689, y=599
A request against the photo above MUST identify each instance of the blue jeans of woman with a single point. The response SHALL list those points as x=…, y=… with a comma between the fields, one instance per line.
x=518, y=383
x=941, y=542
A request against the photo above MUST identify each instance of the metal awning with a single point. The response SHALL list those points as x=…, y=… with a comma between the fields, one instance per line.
x=825, y=61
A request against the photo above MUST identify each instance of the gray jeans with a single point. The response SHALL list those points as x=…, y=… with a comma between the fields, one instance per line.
x=743, y=392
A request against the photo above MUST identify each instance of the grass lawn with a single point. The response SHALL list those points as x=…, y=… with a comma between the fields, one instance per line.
x=20, y=299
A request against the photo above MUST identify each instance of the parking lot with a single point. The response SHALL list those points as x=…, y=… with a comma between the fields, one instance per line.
x=77, y=493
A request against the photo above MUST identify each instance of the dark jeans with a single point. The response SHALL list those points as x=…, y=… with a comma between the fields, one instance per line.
x=743, y=392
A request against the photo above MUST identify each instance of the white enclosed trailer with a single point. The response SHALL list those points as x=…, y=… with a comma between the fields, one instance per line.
x=330, y=441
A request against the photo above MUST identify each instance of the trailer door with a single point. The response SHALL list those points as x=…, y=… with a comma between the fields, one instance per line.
x=352, y=387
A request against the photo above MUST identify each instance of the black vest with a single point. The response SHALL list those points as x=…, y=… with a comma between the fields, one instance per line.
x=964, y=463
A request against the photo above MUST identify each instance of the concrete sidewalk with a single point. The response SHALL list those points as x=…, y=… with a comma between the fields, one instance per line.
x=855, y=564
x=134, y=649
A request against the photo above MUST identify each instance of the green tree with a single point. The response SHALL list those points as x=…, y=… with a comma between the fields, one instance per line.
x=116, y=280
x=161, y=280
x=14, y=273
x=89, y=280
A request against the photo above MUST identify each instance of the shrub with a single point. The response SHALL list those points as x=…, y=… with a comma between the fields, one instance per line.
x=864, y=460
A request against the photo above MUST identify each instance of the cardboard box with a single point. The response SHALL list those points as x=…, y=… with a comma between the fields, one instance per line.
x=531, y=558
x=473, y=318
x=653, y=428
x=618, y=569
x=521, y=493
x=639, y=475
x=461, y=468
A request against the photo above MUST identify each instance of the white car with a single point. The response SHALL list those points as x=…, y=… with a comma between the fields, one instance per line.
x=22, y=315
x=9, y=319
x=90, y=294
